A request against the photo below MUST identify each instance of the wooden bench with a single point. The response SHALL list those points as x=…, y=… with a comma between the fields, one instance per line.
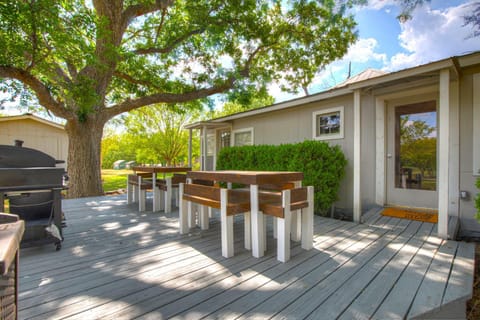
x=228, y=201
x=281, y=206
x=137, y=186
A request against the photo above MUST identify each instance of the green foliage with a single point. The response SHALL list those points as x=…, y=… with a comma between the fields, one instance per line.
x=477, y=200
x=151, y=135
x=323, y=165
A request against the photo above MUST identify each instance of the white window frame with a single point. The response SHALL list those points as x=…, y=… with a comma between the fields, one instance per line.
x=233, y=141
x=339, y=135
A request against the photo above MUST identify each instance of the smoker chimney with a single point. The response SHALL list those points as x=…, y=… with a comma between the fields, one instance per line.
x=18, y=143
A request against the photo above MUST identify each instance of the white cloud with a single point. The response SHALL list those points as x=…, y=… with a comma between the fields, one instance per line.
x=434, y=35
x=363, y=51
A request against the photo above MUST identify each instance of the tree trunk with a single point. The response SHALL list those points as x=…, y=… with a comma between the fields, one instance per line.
x=84, y=167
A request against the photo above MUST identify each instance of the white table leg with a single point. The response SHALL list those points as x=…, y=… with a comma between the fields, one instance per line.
x=129, y=193
x=257, y=223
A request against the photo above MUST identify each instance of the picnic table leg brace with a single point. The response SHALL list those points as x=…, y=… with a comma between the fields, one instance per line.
x=307, y=221
x=257, y=224
x=226, y=222
x=296, y=219
x=283, y=241
x=182, y=211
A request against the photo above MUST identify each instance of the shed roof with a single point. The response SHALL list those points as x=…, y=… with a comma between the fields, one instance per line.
x=32, y=117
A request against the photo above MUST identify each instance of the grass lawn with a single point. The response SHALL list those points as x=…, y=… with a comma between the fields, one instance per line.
x=114, y=179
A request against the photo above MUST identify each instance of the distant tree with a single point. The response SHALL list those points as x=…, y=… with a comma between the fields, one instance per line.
x=473, y=19
x=159, y=134
x=247, y=99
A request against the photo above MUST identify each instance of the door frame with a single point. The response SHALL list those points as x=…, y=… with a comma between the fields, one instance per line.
x=381, y=122
x=395, y=196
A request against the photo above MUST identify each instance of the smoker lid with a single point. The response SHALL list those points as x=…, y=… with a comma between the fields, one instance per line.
x=20, y=157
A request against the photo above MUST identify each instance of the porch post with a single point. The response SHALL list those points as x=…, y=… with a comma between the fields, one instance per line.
x=357, y=153
x=380, y=156
x=190, y=147
x=204, y=148
x=443, y=153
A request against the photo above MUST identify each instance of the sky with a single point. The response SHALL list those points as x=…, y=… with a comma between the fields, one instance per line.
x=435, y=32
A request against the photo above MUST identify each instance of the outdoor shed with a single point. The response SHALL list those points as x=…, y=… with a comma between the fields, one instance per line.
x=411, y=137
x=36, y=133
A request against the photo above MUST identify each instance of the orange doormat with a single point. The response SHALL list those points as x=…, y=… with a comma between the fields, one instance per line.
x=431, y=217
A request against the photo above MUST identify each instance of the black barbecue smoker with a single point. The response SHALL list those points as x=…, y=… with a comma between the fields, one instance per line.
x=32, y=184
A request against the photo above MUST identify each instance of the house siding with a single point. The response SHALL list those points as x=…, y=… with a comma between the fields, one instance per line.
x=468, y=224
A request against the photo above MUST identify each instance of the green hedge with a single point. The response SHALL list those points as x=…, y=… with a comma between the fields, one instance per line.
x=323, y=165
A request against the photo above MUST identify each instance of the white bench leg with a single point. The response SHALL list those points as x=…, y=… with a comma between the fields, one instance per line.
x=296, y=225
x=141, y=201
x=162, y=200
x=283, y=241
x=182, y=212
x=226, y=226
x=307, y=222
x=157, y=201
x=135, y=194
x=275, y=234
x=191, y=214
x=264, y=233
x=129, y=193
x=203, y=215
x=248, y=231
x=168, y=196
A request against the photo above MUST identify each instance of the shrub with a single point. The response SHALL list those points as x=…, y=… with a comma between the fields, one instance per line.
x=323, y=165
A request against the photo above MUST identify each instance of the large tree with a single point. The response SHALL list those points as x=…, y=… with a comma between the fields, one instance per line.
x=88, y=61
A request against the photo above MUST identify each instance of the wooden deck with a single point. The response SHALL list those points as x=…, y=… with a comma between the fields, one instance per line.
x=117, y=263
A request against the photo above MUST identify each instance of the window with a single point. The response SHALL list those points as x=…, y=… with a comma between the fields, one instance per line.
x=243, y=137
x=210, y=144
x=328, y=124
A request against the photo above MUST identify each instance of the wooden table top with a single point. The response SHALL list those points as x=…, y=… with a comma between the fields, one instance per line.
x=160, y=169
x=247, y=177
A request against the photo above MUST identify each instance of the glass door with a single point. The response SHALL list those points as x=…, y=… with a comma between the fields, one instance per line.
x=412, y=155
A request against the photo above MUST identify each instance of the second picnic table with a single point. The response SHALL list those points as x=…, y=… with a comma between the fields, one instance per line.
x=155, y=170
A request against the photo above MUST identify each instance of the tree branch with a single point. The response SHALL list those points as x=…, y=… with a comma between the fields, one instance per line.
x=171, y=46
x=132, y=80
x=164, y=97
x=43, y=94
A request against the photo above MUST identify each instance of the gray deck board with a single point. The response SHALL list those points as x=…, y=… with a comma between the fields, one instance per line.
x=117, y=263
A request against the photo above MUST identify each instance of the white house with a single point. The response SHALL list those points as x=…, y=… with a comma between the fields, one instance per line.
x=373, y=118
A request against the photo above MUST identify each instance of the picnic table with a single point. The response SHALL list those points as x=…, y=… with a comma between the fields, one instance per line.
x=155, y=171
x=254, y=179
